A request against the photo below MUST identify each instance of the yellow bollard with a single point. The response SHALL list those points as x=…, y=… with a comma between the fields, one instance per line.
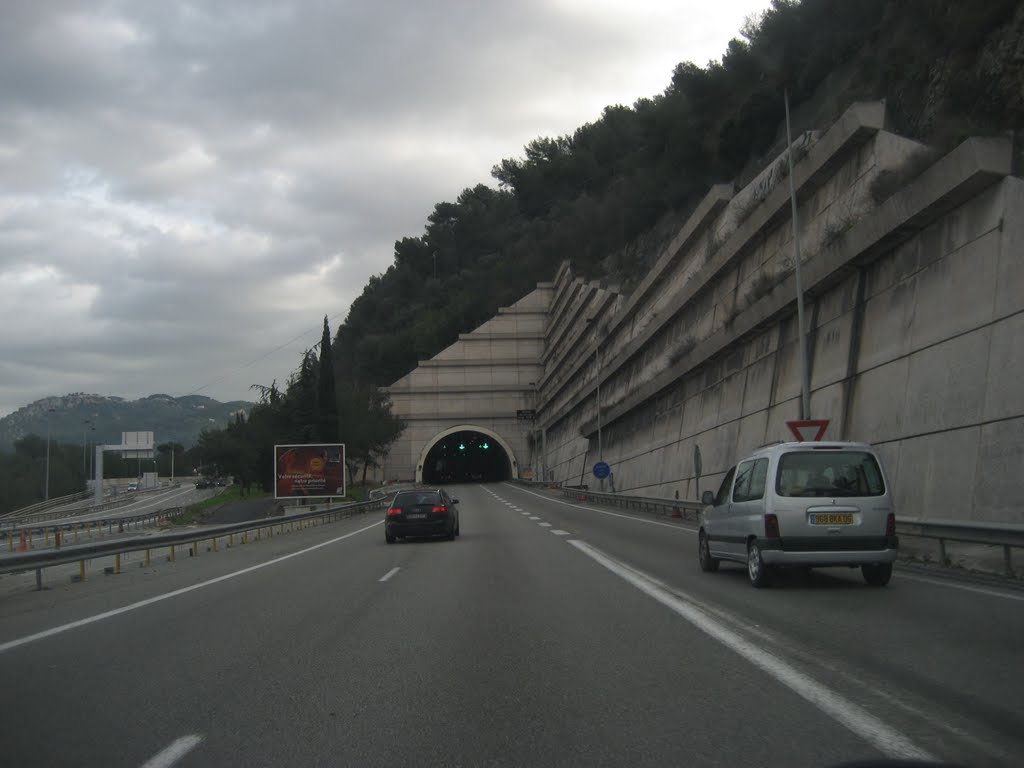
x=172, y=553
x=117, y=563
x=214, y=543
x=145, y=562
x=81, y=570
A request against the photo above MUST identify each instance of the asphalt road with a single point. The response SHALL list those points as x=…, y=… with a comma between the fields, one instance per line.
x=550, y=633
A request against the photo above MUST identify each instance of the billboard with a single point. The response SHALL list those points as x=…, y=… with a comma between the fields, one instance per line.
x=135, y=445
x=309, y=471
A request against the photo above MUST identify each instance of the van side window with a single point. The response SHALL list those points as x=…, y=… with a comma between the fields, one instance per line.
x=758, y=479
x=723, y=489
x=751, y=480
x=741, y=491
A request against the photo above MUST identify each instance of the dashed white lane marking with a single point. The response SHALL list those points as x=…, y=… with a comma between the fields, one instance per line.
x=167, y=595
x=862, y=723
x=176, y=750
x=524, y=514
x=534, y=518
x=682, y=528
x=544, y=525
x=389, y=574
x=560, y=532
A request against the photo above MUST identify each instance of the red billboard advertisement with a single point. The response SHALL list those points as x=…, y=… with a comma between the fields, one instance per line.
x=309, y=471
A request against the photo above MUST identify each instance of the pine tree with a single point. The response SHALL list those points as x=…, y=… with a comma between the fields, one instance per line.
x=327, y=400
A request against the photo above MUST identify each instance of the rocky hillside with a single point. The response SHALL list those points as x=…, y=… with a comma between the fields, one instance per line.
x=178, y=419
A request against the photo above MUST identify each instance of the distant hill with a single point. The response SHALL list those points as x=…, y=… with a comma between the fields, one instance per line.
x=178, y=419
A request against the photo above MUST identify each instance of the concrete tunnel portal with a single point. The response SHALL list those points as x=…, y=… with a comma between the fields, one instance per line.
x=467, y=455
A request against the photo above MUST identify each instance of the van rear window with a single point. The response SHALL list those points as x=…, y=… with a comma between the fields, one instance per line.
x=829, y=473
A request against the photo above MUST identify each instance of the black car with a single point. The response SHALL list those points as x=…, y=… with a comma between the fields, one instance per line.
x=421, y=513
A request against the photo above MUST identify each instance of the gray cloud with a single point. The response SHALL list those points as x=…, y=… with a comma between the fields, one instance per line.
x=187, y=186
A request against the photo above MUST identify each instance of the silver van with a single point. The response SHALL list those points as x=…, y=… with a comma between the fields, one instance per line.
x=805, y=505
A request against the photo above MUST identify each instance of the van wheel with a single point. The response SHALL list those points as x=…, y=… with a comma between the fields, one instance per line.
x=708, y=564
x=877, y=575
x=759, y=573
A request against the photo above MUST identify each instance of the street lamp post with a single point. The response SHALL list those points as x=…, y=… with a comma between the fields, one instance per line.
x=46, y=491
x=805, y=388
x=85, y=424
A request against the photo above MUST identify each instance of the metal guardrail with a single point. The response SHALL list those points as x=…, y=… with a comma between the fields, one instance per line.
x=1005, y=535
x=42, y=506
x=121, y=501
x=38, y=560
x=72, y=530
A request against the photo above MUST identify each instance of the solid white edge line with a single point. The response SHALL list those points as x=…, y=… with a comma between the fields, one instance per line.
x=171, y=754
x=846, y=713
x=389, y=574
x=964, y=587
x=610, y=514
x=159, y=598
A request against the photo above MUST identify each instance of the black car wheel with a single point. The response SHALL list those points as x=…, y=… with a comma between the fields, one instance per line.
x=877, y=575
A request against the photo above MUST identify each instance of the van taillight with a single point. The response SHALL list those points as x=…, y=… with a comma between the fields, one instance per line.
x=890, y=524
x=771, y=527
x=394, y=511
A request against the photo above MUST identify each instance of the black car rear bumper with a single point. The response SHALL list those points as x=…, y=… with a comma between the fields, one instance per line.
x=438, y=527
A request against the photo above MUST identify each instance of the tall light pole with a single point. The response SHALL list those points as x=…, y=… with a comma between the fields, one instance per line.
x=46, y=492
x=85, y=424
x=805, y=387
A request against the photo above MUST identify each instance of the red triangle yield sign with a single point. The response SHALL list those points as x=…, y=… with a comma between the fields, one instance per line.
x=809, y=431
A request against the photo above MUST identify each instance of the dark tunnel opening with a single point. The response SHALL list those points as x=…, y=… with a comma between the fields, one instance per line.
x=466, y=457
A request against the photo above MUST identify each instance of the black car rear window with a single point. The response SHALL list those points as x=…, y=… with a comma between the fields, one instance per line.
x=414, y=499
x=829, y=473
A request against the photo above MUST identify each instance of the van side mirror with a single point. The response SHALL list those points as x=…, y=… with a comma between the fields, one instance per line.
x=708, y=498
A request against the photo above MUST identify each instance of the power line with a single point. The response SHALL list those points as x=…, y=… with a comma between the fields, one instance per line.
x=262, y=357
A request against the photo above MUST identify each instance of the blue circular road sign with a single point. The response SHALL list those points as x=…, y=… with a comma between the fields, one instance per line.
x=602, y=470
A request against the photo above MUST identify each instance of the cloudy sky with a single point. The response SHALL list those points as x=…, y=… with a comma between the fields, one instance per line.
x=187, y=188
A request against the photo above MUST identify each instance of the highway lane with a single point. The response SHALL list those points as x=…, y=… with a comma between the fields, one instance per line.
x=511, y=646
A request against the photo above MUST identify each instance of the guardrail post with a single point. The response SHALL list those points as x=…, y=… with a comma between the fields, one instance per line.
x=10, y=541
x=214, y=543
x=942, y=553
x=117, y=563
x=231, y=540
x=245, y=537
x=46, y=536
x=76, y=533
x=39, y=579
x=146, y=561
x=259, y=534
x=1007, y=560
x=81, y=570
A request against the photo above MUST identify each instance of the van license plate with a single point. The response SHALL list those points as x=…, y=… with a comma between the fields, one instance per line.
x=831, y=518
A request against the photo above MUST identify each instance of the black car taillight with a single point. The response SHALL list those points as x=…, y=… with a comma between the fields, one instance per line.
x=771, y=527
x=440, y=510
x=393, y=511
x=890, y=524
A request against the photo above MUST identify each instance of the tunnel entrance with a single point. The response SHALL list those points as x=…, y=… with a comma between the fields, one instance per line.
x=466, y=456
